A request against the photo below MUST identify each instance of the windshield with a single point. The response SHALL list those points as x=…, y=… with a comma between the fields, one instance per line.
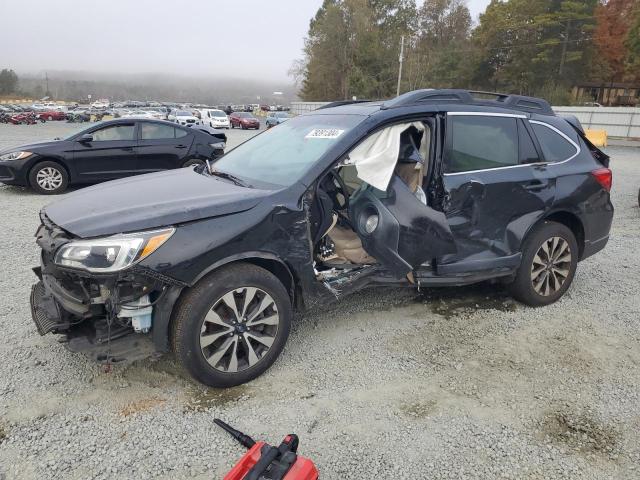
x=281, y=115
x=282, y=155
x=218, y=113
x=183, y=113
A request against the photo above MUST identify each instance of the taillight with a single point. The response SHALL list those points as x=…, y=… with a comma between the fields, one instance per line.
x=604, y=177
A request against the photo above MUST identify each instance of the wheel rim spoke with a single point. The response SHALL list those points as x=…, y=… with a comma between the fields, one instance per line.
x=206, y=340
x=233, y=361
x=251, y=353
x=220, y=352
x=230, y=301
x=214, y=318
x=264, y=304
x=249, y=295
x=263, y=339
x=268, y=320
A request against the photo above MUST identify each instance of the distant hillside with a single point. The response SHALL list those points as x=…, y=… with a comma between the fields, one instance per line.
x=76, y=86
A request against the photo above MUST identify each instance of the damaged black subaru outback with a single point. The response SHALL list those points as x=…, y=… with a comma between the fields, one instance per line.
x=432, y=188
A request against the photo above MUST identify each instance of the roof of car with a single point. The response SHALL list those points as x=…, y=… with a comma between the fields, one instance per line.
x=439, y=100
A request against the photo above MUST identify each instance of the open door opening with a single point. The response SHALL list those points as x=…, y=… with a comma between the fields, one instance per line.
x=370, y=212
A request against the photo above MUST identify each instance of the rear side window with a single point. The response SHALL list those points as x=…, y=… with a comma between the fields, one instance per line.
x=181, y=133
x=479, y=143
x=157, y=131
x=555, y=147
x=528, y=152
x=115, y=132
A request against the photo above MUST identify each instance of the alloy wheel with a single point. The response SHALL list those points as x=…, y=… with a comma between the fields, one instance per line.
x=49, y=178
x=551, y=266
x=239, y=329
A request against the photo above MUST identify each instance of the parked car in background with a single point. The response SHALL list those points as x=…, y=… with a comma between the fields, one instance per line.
x=101, y=103
x=432, y=188
x=244, y=120
x=183, y=117
x=214, y=118
x=78, y=115
x=109, y=150
x=50, y=115
x=140, y=114
x=276, y=118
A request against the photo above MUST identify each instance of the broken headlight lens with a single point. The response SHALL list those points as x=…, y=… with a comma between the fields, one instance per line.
x=111, y=254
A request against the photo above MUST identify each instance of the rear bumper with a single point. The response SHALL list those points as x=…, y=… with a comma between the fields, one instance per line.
x=594, y=246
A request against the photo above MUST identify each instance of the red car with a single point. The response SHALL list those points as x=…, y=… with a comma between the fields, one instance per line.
x=243, y=120
x=24, y=118
x=52, y=115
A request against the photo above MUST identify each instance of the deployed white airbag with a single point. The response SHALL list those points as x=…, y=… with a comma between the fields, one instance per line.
x=376, y=157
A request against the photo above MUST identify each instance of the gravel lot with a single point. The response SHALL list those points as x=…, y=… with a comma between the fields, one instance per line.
x=443, y=384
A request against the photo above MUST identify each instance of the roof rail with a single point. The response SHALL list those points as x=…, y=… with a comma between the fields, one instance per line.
x=341, y=102
x=471, y=97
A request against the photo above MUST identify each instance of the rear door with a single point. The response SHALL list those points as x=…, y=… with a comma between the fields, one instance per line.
x=111, y=154
x=496, y=187
x=162, y=146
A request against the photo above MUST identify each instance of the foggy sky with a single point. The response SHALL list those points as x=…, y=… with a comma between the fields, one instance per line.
x=217, y=38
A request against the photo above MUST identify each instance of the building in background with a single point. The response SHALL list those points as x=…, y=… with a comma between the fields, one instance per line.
x=609, y=94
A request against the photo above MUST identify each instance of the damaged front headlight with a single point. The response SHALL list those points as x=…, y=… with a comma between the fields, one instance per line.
x=111, y=254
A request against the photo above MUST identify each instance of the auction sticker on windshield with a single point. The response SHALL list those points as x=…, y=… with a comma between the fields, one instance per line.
x=324, y=133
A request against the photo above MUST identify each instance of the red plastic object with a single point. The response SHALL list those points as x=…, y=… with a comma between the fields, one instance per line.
x=303, y=469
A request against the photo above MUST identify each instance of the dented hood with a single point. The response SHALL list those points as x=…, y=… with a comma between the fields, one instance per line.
x=150, y=201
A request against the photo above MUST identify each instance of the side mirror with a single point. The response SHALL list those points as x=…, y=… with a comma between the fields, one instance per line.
x=86, y=138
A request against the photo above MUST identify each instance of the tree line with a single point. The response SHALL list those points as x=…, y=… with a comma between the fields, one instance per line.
x=77, y=86
x=530, y=47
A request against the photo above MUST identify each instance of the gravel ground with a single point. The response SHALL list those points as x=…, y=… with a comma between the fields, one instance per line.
x=443, y=384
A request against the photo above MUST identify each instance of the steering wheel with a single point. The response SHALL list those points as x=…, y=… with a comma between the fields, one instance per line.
x=339, y=193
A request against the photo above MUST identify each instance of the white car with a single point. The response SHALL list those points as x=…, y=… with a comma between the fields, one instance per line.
x=183, y=117
x=214, y=118
x=139, y=114
x=103, y=103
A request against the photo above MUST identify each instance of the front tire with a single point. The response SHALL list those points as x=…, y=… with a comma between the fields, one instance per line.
x=48, y=178
x=549, y=262
x=232, y=326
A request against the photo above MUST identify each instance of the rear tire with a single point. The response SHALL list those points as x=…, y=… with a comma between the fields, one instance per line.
x=237, y=355
x=48, y=178
x=193, y=161
x=549, y=261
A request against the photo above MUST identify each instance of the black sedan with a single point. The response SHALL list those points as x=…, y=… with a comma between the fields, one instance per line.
x=109, y=150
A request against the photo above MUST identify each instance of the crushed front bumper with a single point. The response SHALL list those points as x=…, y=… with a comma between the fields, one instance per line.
x=85, y=309
x=45, y=311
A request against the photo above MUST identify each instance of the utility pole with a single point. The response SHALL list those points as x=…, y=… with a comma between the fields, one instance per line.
x=400, y=68
x=564, y=47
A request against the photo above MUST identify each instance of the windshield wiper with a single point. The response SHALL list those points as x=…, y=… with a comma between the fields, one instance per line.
x=228, y=176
